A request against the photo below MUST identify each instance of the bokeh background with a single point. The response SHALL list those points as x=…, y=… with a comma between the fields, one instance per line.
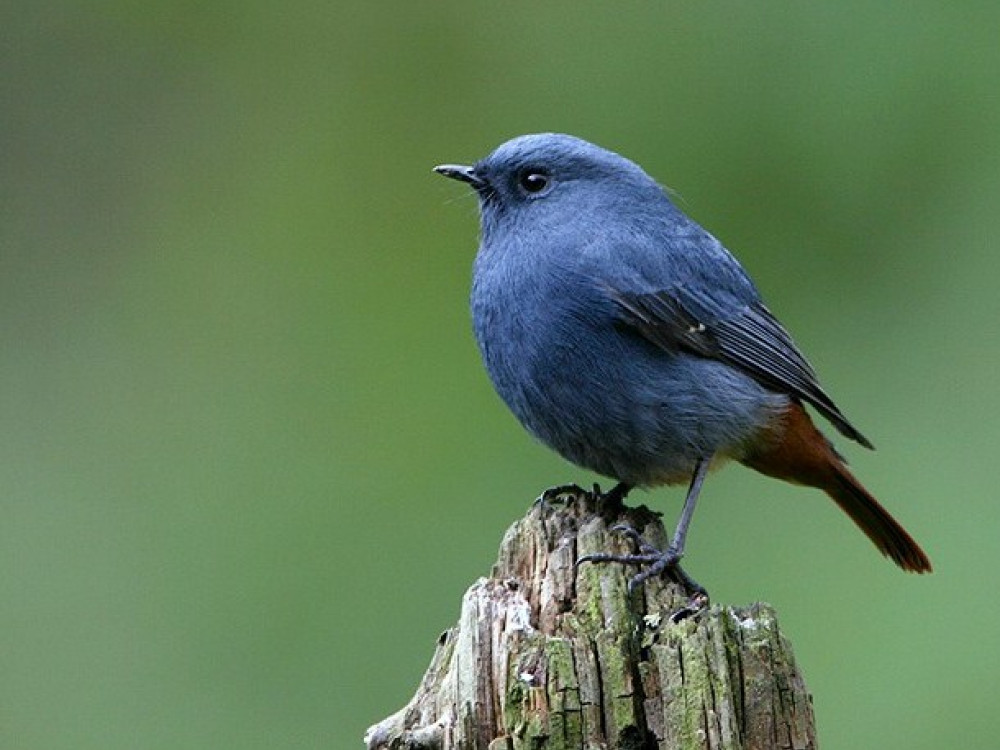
x=249, y=460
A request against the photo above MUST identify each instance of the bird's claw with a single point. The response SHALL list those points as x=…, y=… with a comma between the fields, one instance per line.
x=606, y=557
x=561, y=494
x=695, y=604
x=554, y=494
x=659, y=562
x=613, y=499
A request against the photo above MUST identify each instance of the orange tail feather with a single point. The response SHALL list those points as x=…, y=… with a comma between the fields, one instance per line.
x=797, y=452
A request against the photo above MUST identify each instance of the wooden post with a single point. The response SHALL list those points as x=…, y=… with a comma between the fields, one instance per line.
x=546, y=655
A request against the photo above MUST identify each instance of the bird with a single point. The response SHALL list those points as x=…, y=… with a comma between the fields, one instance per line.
x=627, y=338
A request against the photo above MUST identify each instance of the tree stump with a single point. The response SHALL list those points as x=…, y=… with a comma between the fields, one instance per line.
x=549, y=655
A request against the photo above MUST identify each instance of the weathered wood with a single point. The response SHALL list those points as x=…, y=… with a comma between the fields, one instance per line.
x=548, y=656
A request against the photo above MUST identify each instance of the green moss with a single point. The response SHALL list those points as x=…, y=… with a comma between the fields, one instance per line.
x=563, y=692
x=514, y=705
x=617, y=681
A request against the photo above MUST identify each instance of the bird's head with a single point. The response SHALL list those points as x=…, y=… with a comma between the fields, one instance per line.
x=553, y=179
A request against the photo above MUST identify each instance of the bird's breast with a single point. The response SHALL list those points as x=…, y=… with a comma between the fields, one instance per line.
x=596, y=391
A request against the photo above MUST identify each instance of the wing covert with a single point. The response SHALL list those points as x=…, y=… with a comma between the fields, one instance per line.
x=744, y=335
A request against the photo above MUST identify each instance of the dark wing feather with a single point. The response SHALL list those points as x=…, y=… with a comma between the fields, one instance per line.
x=751, y=339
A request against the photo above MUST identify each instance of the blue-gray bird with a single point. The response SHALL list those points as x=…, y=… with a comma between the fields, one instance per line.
x=628, y=339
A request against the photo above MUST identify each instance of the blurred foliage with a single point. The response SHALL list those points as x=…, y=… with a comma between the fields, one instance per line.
x=249, y=457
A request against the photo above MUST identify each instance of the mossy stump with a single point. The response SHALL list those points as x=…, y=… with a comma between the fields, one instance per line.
x=546, y=655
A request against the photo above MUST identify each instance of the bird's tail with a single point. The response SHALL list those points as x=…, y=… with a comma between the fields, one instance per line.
x=797, y=452
x=884, y=531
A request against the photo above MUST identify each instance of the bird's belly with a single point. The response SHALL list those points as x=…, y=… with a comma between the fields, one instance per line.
x=626, y=410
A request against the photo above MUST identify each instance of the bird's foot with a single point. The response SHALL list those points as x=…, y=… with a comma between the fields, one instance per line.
x=560, y=494
x=608, y=504
x=658, y=562
x=612, y=501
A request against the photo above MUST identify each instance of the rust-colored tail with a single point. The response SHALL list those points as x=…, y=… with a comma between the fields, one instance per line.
x=891, y=538
x=797, y=452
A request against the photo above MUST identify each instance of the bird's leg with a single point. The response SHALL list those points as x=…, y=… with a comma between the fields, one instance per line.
x=553, y=494
x=675, y=551
x=662, y=562
x=610, y=501
x=694, y=490
x=613, y=499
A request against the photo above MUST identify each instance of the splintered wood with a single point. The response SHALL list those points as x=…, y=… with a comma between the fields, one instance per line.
x=549, y=655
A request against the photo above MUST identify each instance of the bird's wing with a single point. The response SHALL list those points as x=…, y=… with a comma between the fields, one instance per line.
x=745, y=335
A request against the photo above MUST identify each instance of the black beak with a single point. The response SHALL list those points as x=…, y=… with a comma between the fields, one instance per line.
x=462, y=174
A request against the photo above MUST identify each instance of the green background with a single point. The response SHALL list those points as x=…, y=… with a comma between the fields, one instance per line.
x=249, y=459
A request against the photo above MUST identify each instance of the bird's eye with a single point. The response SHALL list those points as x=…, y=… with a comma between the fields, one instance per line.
x=534, y=181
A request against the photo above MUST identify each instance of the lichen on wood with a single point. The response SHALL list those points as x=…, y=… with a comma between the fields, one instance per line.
x=548, y=655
